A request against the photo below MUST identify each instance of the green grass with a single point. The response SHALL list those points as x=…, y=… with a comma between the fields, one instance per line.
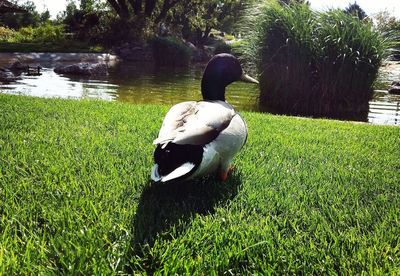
x=307, y=197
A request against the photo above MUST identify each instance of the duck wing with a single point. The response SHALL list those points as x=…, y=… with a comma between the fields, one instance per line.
x=195, y=123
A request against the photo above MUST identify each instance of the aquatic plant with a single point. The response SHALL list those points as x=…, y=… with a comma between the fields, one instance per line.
x=315, y=64
x=169, y=51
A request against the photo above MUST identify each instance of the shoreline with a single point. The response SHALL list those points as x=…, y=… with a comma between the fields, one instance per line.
x=7, y=58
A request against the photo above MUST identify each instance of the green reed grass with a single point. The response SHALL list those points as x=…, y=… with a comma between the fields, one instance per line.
x=315, y=64
x=169, y=51
x=307, y=196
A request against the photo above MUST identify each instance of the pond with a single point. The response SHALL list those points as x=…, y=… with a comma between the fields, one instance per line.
x=144, y=83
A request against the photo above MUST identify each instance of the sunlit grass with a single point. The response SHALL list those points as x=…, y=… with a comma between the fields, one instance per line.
x=307, y=197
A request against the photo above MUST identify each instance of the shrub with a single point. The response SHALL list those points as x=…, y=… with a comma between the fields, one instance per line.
x=229, y=37
x=168, y=51
x=222, y=47
x=49, y=33
x=6, y=33
x=25, y=34
x=43, y=33
x=315, y=64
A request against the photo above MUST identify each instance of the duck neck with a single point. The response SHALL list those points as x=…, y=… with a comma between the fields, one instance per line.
x=212, y=91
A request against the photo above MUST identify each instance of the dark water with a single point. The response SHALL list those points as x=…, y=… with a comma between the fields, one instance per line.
x=144, y=83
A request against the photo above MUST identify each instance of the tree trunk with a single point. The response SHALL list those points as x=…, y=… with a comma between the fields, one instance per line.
x=120, y=7
x=167, y=5
x=136, y=5
x=149, y=7
x=124, y=8
x=115, y=6
x=206, y=33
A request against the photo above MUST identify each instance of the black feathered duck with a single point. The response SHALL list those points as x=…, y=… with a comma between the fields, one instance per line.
x=200, y=138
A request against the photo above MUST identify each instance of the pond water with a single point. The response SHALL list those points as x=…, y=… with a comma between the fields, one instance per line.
x=135, y=83
x=144, y=83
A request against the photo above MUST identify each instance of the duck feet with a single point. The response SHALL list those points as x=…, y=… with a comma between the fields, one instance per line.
x=224, y=174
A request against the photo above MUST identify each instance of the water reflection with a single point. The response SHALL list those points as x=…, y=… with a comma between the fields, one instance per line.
x=145, y=83
x=150, y=84
x=50, y=84
x=384, y=109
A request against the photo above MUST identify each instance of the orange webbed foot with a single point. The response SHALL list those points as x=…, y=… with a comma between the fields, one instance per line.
x=224, y=174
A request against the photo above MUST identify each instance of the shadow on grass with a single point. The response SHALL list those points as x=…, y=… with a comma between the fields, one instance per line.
x=162, y=206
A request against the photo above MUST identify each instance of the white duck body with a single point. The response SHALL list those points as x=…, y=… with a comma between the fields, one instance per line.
x=213, y=125
x=199, y=138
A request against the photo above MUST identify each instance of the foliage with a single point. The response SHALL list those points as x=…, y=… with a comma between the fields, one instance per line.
x=237, y=48
x=31, y=18
x=315, y=64
x=6, y=33
x=45, y=16
x=293, y=2
x=389, y=27
x=84, y=21
x=355, y=10
x=194, y=19
x=307, y=196
x=93, y=22
x=198, y=17
x=171, y=52
x=386, y=23
x=222, y=47
x=155, y=10
x=44, y=33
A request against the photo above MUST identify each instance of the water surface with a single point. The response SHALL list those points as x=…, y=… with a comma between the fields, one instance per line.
x=145, y=83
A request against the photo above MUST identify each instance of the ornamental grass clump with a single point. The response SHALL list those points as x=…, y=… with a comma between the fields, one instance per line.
x=168, y=51
x=315, y=64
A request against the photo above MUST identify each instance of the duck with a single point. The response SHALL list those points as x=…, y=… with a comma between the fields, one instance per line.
x=199, y=138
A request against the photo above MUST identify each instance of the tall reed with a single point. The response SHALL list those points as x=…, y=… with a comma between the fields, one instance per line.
x=168, y=51
x=315, y=64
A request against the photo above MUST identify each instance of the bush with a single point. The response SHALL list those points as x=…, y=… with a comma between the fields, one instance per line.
x=49, y=33
x=315, y=64
x=6, y=33
x=43, y=33
x=25, y=34
x=222, y=47
x=168, y=51
x=237, y=49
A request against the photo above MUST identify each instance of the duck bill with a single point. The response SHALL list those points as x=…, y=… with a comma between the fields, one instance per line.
x=247, y=78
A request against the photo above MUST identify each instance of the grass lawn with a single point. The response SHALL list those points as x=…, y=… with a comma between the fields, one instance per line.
x=307, y=196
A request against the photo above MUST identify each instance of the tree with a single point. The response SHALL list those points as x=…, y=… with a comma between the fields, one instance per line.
x=80, y=21
x=385, y=22
x=156, y=9
x=355, y=10
x=199, y=17
x=18, y=20
x=45, y=16
x=389, y=26
x=72, y=17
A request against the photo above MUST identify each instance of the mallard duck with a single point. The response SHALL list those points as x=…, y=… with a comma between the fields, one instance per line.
x=200, y=138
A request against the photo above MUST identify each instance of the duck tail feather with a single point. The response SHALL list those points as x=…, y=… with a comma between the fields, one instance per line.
x=178, y=172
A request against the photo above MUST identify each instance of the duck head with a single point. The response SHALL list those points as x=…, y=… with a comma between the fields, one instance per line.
x=221, y=70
